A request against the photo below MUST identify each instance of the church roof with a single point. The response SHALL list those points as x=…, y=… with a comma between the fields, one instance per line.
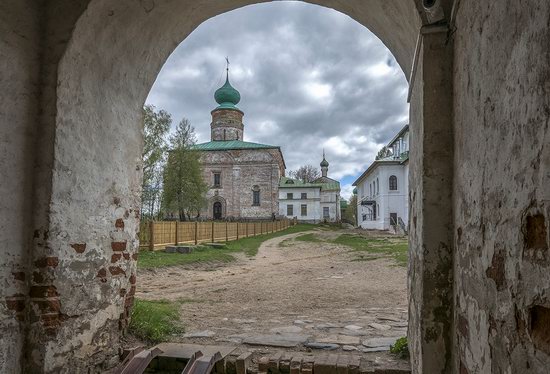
x=296, y=183
x=226, y=145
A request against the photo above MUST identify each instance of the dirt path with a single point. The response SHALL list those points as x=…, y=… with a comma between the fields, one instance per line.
x=291, y=286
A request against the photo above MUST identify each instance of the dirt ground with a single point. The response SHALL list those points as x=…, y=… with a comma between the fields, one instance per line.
x=292, y=289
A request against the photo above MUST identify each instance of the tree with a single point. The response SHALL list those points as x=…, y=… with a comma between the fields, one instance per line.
x=383, y=153
x=156, y=125
x=350, y=214
x=305, y=173
x=184, y=188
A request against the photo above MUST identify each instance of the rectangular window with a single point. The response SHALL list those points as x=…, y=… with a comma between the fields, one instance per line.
x=303, y=209
x=256, y=198
x=290, y=210
x=304, y=195
x=290, y=196
x=217, y=179
x=326, y=212
x=364, y=217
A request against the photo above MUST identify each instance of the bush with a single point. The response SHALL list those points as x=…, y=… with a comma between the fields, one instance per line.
x=401, y=347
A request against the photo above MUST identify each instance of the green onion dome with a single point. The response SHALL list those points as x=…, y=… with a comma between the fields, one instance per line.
x=324, y=163
x=227, y=96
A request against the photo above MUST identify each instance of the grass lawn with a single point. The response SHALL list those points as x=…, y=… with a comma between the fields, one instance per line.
x=204, y=254
x=155, y=321
x=395, y=247
x=311, y=237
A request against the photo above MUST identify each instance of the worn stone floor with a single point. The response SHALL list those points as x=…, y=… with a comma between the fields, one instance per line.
x=293, y=295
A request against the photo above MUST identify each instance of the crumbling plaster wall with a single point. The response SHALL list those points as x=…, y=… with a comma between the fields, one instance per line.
x=19, y=71
x=98, y=60
x=502, y=186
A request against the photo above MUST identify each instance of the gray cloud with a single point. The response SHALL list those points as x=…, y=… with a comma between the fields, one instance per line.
x=310, y=78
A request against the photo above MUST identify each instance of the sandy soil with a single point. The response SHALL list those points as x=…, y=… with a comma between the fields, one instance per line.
x=290, y=286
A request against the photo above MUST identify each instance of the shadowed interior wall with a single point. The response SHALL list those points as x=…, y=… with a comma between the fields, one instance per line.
x=502, y=186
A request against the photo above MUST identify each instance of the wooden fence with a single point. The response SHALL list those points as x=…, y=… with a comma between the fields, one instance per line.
x=158, y=234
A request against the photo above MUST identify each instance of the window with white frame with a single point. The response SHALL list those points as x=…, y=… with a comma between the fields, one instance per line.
x=393, y=183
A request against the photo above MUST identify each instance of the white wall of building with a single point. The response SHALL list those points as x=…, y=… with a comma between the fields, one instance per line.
x=315, y=201
x=376, y=187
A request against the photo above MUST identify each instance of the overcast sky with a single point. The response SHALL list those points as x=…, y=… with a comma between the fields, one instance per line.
x=309, y=77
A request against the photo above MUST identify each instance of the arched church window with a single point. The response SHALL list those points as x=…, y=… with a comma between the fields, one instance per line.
x=256, y=195
x=393, y=183
x=377, y=186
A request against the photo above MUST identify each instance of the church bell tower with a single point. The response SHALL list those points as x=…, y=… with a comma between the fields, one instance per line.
x=227, y=119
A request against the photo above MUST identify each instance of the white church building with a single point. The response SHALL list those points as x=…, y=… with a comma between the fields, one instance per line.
x=311, y=202
x=382, y=190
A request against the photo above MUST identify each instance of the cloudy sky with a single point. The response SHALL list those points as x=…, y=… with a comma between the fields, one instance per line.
x=309, y=77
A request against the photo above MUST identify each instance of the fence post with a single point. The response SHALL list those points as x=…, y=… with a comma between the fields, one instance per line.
x=176, y=241
x=237, y=230
x=226, y=236
x=254, y=228
x=196, y=232
x=151, y=235
x=212, y=231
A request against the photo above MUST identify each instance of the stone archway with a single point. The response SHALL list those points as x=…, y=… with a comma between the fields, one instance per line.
x=217, y=208
x=98, y=61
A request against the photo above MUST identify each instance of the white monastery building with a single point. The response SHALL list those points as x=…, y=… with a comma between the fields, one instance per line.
x=382, y=190
x=313, y=202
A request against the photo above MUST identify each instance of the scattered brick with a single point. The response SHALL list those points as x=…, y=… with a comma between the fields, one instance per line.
x=126, y=256
x=16, y=304
x=50, y=305
x=115, y=257
x=116, y=270
x=79, y=247
x=118, y=246
x=133, y=279
x=37, y=277
x=135, y=256
x=43, y=291
x=47, y=262
x=119, y=223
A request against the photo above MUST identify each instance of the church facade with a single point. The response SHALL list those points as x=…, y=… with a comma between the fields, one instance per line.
x=243, y=177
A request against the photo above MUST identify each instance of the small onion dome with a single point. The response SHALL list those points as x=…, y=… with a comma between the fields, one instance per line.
x=227, y=96
x=324, y=163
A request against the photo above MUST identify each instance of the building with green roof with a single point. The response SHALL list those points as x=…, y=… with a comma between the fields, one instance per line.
x=312, y=202
x=243, y=176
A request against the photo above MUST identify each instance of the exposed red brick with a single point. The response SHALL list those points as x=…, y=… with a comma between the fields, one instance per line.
x=126, y=214
x=118, y=246
x=19, y=275
x=132, y=279
x=535, y=232
x=51, y=331
x=116, y=200
x=37, y=277
x=119, y=223
x=48, y=305
x=129, y=301
x=116, y=270
x=47, y=262
x=122, y=291
x=43, y=291
x=115, y=257
x=79, y=247
x=132, y=291
x=135, y=256
x=15, y=304
x=463, y=369
x=126, y=256
x=102, y=273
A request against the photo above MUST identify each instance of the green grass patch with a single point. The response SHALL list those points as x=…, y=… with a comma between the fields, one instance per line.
x=205, y=254
x=395, y=247
x=155, y=321
x=311, y=237
x=250, y=245
x=156, y=259
x=400, y=348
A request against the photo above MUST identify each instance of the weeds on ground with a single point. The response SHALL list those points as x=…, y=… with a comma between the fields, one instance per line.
x=400, y=348
x=394, y=247
x=205, y=254
x=286, y=243
x=155, y=321
x=311, y=237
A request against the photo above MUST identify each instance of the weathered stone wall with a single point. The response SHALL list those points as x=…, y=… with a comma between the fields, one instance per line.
x=502, y=186
x=241, y=170
x=19, y=71
x=227, y=124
